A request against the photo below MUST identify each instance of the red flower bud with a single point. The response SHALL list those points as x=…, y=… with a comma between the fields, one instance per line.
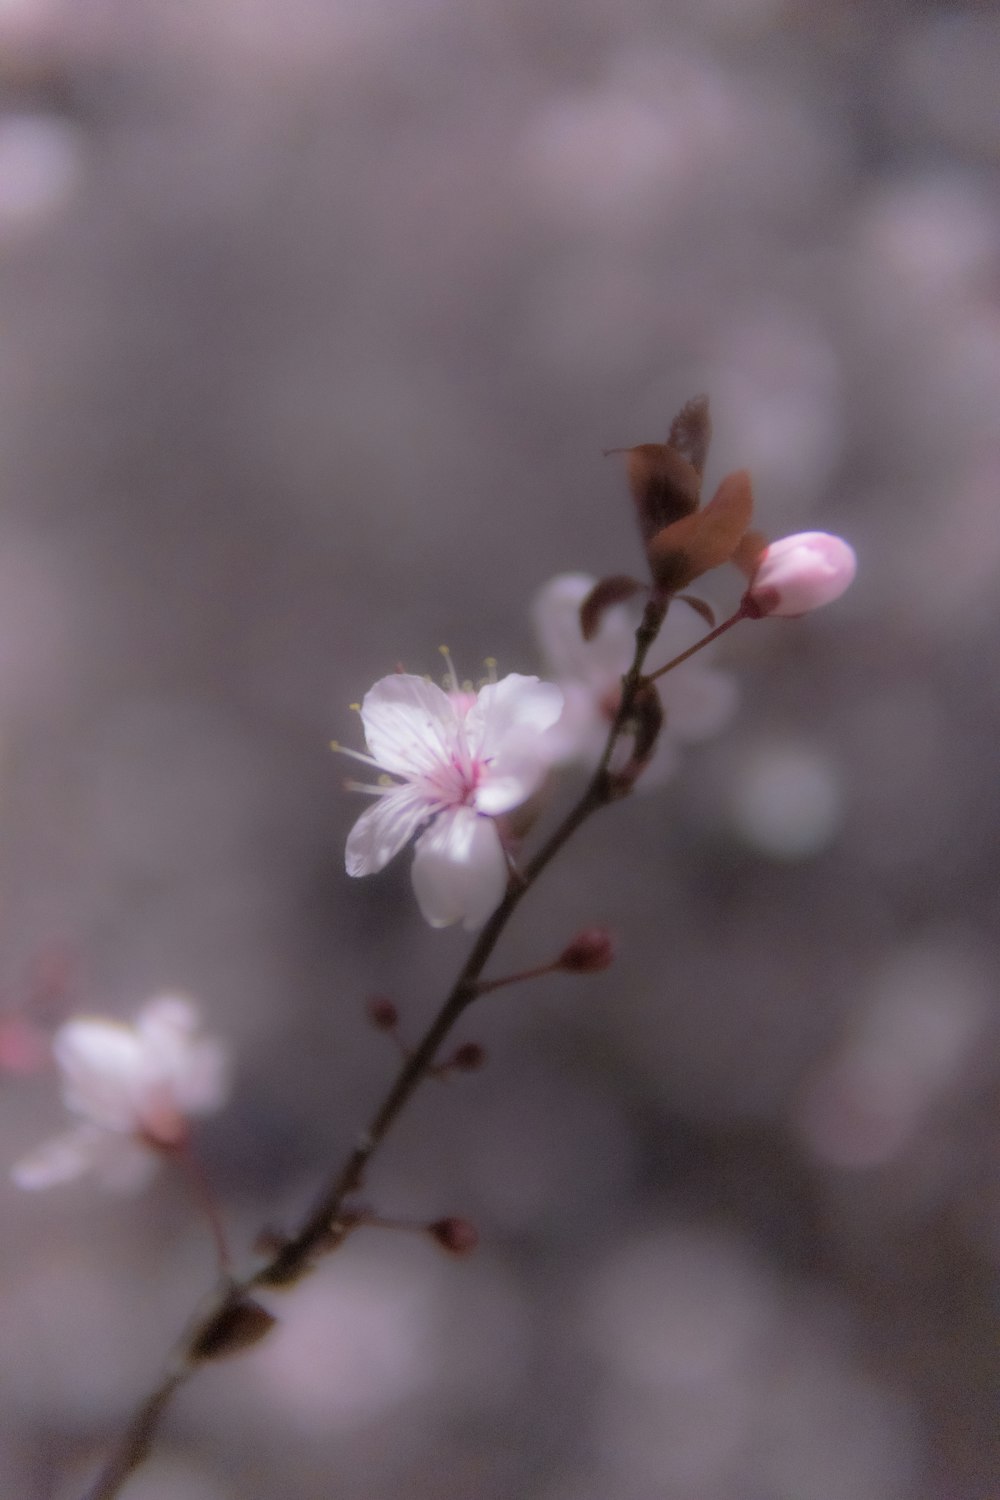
x=382, y=1013
x=590, y=951
x=457, y=1236
x=468, y=1058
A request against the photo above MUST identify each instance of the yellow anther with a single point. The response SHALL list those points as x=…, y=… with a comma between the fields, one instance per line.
x=451, y=678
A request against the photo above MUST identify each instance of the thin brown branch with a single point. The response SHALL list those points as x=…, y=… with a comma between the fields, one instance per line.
x=325, y=1226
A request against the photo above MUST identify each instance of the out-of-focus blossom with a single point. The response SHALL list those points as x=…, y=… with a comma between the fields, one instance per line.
x=460, y=760
x=134, y=1088
x=698, y=699
x=802, y=572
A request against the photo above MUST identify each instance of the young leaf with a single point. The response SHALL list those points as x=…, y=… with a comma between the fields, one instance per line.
x=691, y=432
x=699, y=606
x=749, y=552
x=605, y=594
x=663, y=484
x=694, y=545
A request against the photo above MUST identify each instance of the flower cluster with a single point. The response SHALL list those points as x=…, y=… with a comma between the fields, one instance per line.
x=134, y=1088
x=453, y=762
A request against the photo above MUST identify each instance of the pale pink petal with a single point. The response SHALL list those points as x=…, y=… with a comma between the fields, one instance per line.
x=384, y=828
x=502, y=708
x=100, y=1061
x=61, y=1159
x=459, y=869
x=410, y=724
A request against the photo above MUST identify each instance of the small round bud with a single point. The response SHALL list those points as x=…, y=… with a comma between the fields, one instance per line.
x=468, y=1058
x=382, y=1013
x=457, y=1236
x=799, y=573
x=590, y=951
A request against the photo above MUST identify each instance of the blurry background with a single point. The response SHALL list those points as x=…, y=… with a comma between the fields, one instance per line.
x=316, y=317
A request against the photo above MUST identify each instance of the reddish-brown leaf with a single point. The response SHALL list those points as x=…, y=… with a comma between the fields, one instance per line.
x=700, y=608
x=749, y=552
x=691, y=432
x=670, y=554
x=606, y=593
x=696, y=544
x=663, y=484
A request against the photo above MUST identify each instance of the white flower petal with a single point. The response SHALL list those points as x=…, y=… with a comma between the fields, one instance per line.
x=168, y=1021
x=599, y=662
x=383, y=829
x=459, y=869
x=62, y=1159
x=516, y=771
x=506, y=708
x=204, y=1083
x=190, y=1073
x=581, y=731
x=100, y=1061
x=410, y=724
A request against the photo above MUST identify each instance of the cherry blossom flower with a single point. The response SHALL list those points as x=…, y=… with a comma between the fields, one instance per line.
x=698, y=699
x=134, y=1088
x=458, y=761
x=802, y=572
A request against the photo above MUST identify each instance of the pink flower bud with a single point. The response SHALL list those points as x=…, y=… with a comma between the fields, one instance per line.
x=799, y=573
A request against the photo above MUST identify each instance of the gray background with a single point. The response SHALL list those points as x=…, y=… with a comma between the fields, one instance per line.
x=316, y=317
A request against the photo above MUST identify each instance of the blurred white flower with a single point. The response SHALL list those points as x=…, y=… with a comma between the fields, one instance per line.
x=459, y=760
x=698, y=699
x=134, y=1087
x=802, y=572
